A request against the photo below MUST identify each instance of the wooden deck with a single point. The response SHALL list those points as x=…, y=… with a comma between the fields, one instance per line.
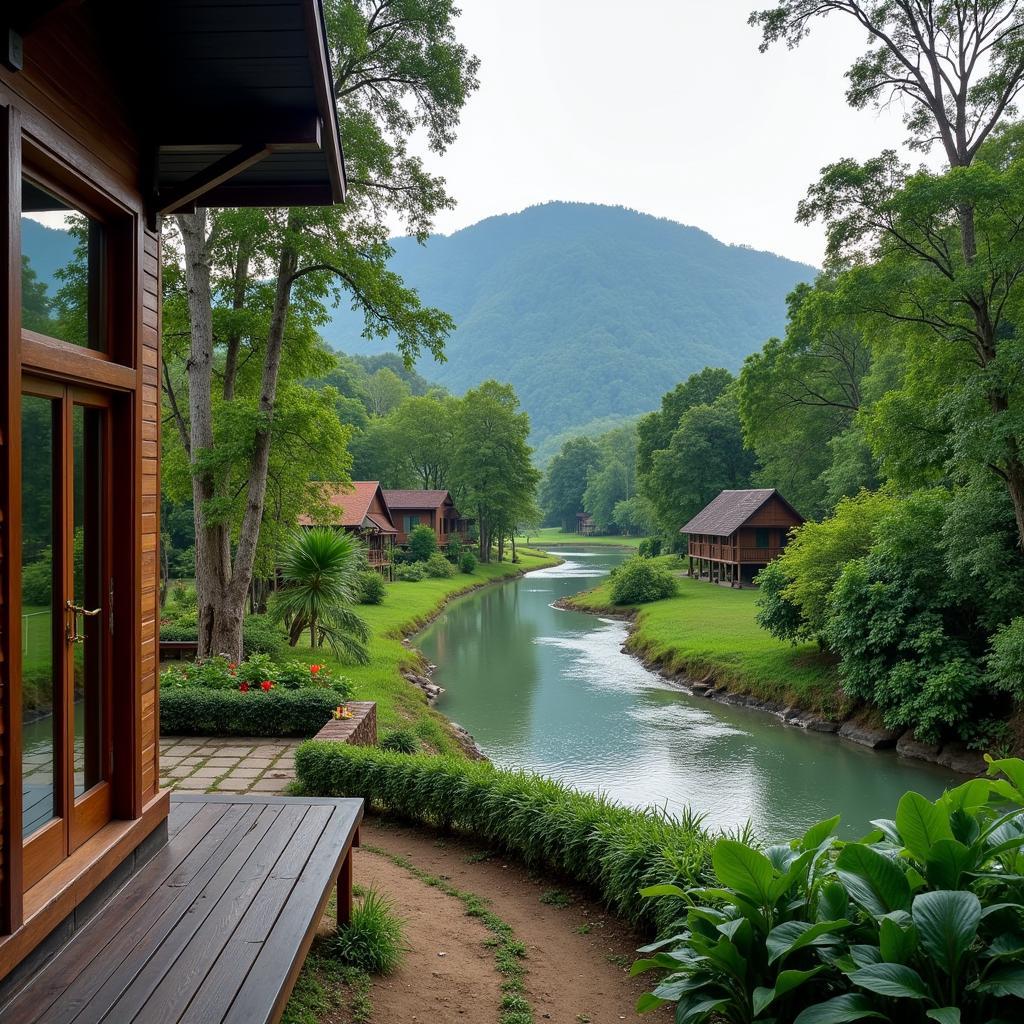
x=214, y=927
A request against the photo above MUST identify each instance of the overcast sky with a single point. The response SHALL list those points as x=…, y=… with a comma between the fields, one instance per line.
x=662, y=105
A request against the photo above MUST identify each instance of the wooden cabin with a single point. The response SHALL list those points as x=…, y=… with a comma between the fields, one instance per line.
x=363, y=511
x=435, y=509
x=738, y=534
x=112, y=116
x=585, y=526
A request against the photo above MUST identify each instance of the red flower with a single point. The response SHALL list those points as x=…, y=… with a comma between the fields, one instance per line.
x=315, y=668
x=266, y=685
x=244, y=687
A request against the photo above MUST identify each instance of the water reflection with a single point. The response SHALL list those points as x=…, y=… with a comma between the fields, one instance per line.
x=552, y=691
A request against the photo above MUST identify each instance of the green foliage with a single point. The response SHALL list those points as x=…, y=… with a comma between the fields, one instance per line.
x=198, y=711
x=261, y=635
x=439, y=568
x=411, y=572
x=467, y=563
x=400, y=741
x=919, y=921
x=422, y=542
x=374, y=940
x=1006, y=661
x=255, y=673
x=320, y=570
x=639, y=580
x=453, y=550
x=372, y=589
x=565, y=482
x=587, y=839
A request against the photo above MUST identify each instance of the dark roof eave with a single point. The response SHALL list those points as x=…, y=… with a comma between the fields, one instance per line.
x=316, y=31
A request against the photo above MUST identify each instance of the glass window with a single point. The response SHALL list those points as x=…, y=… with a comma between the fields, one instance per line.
x=61, y=269
x=762, y=538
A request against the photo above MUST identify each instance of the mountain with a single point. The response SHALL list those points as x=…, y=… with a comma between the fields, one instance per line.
x=48, y=249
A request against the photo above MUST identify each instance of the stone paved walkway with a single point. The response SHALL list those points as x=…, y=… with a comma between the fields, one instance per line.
x=219, y=764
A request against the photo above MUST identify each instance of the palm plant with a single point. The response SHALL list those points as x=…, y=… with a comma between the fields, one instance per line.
x=320, y=573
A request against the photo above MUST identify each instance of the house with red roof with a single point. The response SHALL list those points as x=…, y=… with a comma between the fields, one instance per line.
x=363, y=511
x=436, y=509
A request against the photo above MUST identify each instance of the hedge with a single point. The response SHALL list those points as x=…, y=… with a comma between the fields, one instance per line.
x=196, y=711
x=612, y=850
x=260, y=635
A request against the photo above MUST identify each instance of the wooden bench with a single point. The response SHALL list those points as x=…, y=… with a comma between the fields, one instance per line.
x=215, y=926
x=178, y=649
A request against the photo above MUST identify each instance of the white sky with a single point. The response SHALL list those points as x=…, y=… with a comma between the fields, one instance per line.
x=665, y=106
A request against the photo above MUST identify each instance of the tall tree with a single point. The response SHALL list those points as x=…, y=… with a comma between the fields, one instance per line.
x=399, y=72
x=425, y=426
x=958, y=67
x=566, y=481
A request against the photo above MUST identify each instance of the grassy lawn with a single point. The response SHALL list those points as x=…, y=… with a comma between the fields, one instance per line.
x=406, y=607
x=556, y=535
x=711, y=630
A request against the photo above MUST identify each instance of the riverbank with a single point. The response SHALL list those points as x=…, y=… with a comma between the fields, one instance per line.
x=557, y=536
x=407, y=608
x=707, y=640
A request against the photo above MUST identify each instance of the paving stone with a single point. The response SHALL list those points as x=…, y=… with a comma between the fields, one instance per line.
x=208, y=774
x=270, y=785
x=231, y=788
x=221, y=762
x=192, y=760
x=193, y=785
x=181, y=771
x=274, y=773
x=245, y=773
x=257, y=762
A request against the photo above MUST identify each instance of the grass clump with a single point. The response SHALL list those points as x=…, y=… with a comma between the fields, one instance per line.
x=327, y=987
x=400, y=741
x=556, y=898
x=374, y=940
x=589, y=840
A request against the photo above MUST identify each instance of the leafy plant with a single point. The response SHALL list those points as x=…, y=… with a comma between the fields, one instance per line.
x=467, y=563
x=374, y=940
x=400, y=741
x=320, y=571
x=922, y=920
x=639, y=580
x=371, y=587
x=196, y=711
x=413, y=572
x=422, y=542
x=438, y=567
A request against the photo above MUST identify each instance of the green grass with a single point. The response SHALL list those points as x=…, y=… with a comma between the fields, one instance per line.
x=407, y=607
x=556, y=535
x=711, y=631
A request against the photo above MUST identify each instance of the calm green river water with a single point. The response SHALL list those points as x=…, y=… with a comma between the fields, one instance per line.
x=551, y=691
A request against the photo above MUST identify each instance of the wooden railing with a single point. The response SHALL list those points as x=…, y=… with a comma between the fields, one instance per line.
x=733, y=552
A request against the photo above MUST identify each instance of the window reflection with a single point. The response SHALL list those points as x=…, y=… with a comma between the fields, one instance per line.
x=61, y=269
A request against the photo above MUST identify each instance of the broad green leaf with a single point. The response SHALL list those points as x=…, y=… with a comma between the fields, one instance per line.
x=785, y=983
x=968, y=796
x=888, y=829
x=921, y=823
x=893, y=980
x=678, y=985
x=1011, y=767
x=947, y=923
x=840, y=1010
x=787, y=938
x=1006, y=981
x=897, y=944
x=946, y=862
x=833, y=902
x=647, y=1002
x=863, y=954
x=663, y=961
x=875, y=882
x=796, y=870
x=1007, y=944
x=692, y=1009
x=744, y=869
x=663, y=890
x=945, y=1015
x=817, y=834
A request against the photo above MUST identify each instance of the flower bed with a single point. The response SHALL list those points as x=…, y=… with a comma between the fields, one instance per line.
x=257, y=697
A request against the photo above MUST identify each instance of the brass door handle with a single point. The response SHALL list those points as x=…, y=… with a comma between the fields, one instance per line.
x=71, y=633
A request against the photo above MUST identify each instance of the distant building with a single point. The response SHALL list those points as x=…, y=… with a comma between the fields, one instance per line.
x=738, y=534
x=585, y=524
x=363, y=511
x=435, y=509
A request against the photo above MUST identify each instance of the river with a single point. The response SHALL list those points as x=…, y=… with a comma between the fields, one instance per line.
x=550, y=690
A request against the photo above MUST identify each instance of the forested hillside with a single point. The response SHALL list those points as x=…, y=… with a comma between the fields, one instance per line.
x=588, y=310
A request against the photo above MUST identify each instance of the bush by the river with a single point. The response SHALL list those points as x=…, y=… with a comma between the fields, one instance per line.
x=640, y=580
x=467, y=562
x=921, y=921
x=371, y=587
x=439, y=568
x=422, y=543
x=613, y=850
x=196, y=711
x=411, y=572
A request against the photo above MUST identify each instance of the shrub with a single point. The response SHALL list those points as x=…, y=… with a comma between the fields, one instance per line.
x=919, y=921
x=422, y=542
x=453, y=551
x=251, y=674
x=371, y=587
x=643, y=549
x=467, y=563
x=198, y=711
x=261, y=636
x=177, y=631
x=639, y=580
x=400, y=741
x=181, y=597
x=589, y=839
x=374, y=940
x=439, y=568
x=1006, y=660
x=412, y=572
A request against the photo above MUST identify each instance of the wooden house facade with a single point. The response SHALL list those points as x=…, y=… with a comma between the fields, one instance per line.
x=363, y=512
x=585, y=526
x=738, y=534
x=436, y=509
x=111, y=116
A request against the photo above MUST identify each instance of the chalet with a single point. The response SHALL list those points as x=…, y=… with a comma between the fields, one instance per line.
x=739, y=533
x=427, y=508
x=585, y=526
x=363, y=512
x=117, y=901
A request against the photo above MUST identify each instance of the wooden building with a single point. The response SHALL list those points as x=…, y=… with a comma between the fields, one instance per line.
x=738, y=534
x=435, y=509
x=363, y=511
x=585, y=524
x=111, y=116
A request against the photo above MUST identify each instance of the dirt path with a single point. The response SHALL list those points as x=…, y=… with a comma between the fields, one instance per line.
x=577, y=956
